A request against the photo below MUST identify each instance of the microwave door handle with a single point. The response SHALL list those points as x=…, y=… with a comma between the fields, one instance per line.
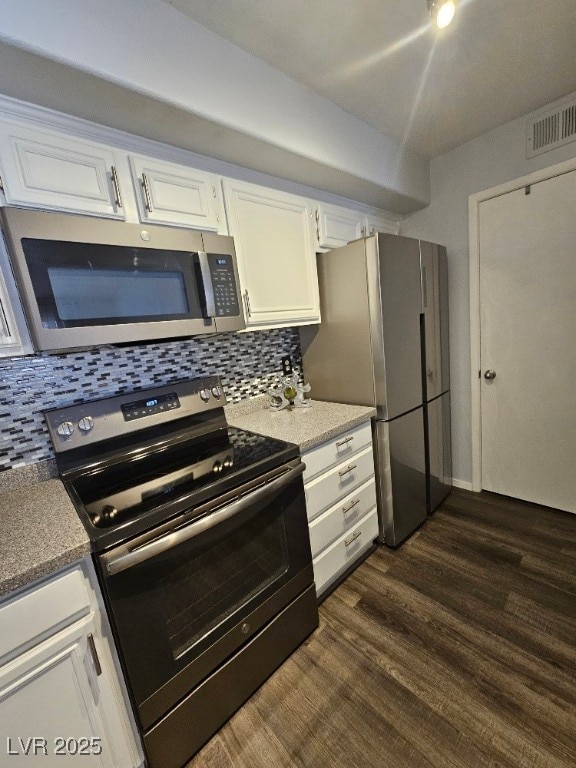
x=207, y=286
x=124, y=560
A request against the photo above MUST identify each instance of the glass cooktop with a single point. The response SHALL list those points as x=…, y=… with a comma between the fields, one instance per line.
x=148, y=487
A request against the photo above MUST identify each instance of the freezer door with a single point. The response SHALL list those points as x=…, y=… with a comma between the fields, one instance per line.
x=434, y=274
x=400, y=309
x=400, y=475
x=439, y=451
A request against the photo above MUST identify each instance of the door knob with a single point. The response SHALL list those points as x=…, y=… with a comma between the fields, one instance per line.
x=490, y=374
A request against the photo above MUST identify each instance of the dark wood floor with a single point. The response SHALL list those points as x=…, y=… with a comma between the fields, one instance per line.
x=458, y=650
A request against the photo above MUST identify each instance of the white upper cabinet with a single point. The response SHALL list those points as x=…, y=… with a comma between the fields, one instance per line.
x=336, y=226
x=10, y=343
x=168, y=193
x=14, y=337
x=47, y=170
x=276, y=255
x=373, y=224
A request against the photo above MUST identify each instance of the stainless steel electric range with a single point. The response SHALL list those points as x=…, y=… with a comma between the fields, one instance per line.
x=200, y=539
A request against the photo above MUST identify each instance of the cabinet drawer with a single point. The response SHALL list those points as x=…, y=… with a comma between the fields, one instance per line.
x=29, y=618
x=342, y=553
x=325, y=490
x=338, y=449
x=343, y=516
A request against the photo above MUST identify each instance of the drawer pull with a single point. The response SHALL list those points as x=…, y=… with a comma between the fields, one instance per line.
x=349, y=468
x=352, y=538
x=340, y=443
x=350, y=506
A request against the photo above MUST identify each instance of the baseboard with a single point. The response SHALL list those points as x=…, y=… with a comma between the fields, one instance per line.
x=464, y=484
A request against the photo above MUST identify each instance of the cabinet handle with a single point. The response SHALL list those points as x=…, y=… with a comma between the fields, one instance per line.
x=352, y=538
x=4, y=320
x=94, y=654
x=116, y=185
x=247, y=303
x=1, y=184
x=349, y=468
x=147, y=195
x=340, y=443
x=350, y=506
x=318, y=225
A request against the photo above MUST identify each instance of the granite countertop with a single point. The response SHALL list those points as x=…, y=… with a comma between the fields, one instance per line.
x=307, y=427
x=40, y=531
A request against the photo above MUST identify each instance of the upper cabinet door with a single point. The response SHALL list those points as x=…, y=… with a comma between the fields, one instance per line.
x=276, y=256
x=9, y=339
x=48, y=170
x=337, y=226
x=168, y=193
x=373, y=224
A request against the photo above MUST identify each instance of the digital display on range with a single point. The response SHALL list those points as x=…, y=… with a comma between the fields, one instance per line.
x=140, y=408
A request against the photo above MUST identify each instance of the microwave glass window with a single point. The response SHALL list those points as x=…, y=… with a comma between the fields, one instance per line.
x=84, y=294
x=76, y=284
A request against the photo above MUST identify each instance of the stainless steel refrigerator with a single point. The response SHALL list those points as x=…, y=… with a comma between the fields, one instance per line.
x=383, y=341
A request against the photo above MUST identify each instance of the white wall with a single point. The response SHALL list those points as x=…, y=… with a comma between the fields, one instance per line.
x=491, y=159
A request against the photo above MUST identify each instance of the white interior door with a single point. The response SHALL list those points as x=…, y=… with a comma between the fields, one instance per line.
x=528, y=340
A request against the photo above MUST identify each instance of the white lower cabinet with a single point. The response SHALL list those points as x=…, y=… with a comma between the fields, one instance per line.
x=341, y=503
x=61, y=698
x=342, y=553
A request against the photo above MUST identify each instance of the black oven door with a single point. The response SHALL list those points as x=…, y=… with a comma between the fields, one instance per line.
x=187, y=595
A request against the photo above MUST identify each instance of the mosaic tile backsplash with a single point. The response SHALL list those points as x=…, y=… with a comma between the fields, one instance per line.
x=247, y=363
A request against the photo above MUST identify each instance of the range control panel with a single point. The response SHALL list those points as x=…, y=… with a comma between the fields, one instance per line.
x=89, y=423
x=138, y=409
x=224, y=284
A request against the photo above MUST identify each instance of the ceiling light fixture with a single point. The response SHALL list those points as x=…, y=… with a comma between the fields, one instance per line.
x=442, y=11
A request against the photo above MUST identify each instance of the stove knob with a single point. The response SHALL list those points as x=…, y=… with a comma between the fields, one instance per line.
x=65, y=429
x=86, y=424
x=217, y=392
x=205, y=395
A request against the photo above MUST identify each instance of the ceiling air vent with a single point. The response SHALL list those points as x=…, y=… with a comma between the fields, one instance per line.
x=551, y=130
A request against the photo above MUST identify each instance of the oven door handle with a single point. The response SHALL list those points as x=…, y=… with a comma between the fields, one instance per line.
x=115, y=563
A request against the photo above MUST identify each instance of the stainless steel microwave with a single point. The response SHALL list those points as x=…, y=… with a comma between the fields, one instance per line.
x=85, y=281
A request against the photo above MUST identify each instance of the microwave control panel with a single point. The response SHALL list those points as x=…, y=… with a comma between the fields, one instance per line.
x=224, y=284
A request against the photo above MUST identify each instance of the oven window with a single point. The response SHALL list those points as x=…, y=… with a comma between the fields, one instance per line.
x=220, y=577
x=180, y=611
